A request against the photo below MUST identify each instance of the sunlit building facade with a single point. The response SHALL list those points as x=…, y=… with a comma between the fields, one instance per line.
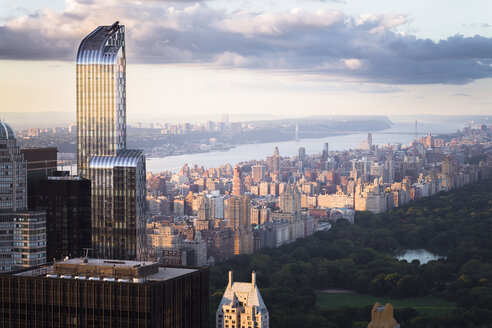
x=242, y=306
x=101, y=95
x=117, y=174
x=382, y=317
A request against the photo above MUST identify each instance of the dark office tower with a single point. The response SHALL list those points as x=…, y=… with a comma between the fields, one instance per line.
x=67, y=202
x=302, y=153
x=325, y=151
x=41, y=163
x=94, y=293
x=117, y=174
x=22, y=233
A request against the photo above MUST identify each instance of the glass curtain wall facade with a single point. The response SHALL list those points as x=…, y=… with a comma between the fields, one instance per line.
x=34, y=298
x=117, y=174
x=67, y=202
x=41, y=162
x=22, y=233
x=28, y=238
x=13, y=174
x=101, y=95
x=118, y=203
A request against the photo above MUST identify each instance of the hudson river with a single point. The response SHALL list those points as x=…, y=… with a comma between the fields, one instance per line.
x=248, y=152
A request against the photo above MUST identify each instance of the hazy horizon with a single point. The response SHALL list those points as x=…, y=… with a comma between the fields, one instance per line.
x=50, y=119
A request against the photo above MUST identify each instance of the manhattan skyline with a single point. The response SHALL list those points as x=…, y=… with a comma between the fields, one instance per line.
x=318, y=57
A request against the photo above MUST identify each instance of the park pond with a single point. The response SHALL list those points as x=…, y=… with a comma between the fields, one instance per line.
x=422, y=255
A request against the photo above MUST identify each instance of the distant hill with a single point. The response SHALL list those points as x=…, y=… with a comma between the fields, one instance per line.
x=25, y=120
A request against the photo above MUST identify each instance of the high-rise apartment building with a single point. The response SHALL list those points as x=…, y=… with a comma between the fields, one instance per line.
x=101, y=95
x=238, y=214
x=258, y=172
x=220, y=243
x=23, y=232
x=372, y=197
x=117, y=174
x=118, y=205
x=23, y=241
x=242, y=306
x=237, y=211
x=290, y=201
x=273, y=162
x=290, y=209
x=237, y=182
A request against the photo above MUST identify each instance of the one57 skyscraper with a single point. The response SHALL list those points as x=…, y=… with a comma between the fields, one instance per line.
x=117, y=174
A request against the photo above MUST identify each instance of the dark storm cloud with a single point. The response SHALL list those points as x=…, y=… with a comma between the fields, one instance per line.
x=327, y=43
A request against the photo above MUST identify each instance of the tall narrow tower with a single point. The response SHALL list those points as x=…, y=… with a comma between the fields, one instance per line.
x=117, y=173
x=416, y=133
x=237, y=182
x=101, y=95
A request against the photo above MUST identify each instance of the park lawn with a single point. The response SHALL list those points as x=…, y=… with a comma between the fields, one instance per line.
x=426, y=305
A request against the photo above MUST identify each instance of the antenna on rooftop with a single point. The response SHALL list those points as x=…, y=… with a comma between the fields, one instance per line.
x=86, y=252
x=114, y=26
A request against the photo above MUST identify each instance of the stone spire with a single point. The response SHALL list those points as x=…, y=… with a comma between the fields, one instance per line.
x=230, y=280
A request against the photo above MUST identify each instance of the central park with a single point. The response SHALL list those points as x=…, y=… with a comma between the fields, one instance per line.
x=454, y=291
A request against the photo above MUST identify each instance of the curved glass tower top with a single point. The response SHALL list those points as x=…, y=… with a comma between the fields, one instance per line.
x=103, y=45
x=101, y=95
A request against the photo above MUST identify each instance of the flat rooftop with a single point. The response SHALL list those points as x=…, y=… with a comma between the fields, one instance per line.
x=161, y=274
x=169, y=273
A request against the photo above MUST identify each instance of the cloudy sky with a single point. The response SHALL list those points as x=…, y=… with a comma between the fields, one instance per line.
x=280, y=57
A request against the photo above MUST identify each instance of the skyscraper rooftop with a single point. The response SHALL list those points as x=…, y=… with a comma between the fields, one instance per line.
x=106, y=270
x=102, y=45
x=6, y=131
